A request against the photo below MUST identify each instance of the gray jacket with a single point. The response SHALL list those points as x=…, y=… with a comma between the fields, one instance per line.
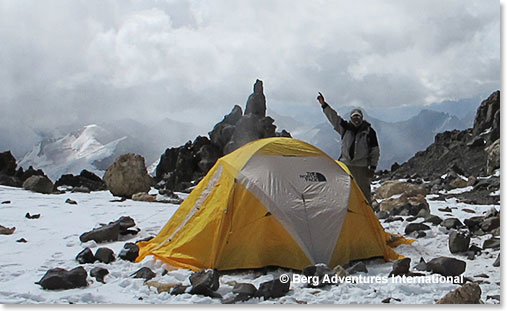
x=365, y=151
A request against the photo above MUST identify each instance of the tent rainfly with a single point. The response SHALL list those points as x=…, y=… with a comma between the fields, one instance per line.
x=273, y=202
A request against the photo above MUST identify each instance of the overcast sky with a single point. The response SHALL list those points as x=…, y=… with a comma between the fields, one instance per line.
x=87, y=60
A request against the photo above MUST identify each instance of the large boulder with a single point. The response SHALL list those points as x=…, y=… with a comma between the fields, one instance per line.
x=84, y=179
x=485, y=117
x=393, y=187
x=127, y=176
x=40, y=184
x=446, y=266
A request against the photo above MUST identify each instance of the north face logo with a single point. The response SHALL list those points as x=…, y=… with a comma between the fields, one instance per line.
x=313, y=177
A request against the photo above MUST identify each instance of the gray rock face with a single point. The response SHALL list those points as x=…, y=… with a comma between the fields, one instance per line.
x=446, y=266
x=127, y=176
x=256, y=102
x=458, y=242
x=40, y=184
x=493, y=153
x=59, y=278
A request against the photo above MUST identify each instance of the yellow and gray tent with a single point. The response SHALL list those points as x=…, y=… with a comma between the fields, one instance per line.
x=273, y=202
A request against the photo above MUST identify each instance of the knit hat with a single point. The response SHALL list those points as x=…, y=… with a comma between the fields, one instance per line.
x=356, y=111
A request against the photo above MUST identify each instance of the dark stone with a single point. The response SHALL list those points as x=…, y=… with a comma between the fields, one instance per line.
x=111, y=231
x=393, y=219
x=179, y=289
x=490, y=224
x=411, y=218
x=273, y=289
x=497, y=261
x=69, y=201
x=388, y=300
x=420, y=234
x=491, y=243
x=99, y=273
x=105, y=233
x=458, y=242
x=129, y=252
x=415, y=227
x=446, y=266
x=382, y=214
x=84, y=180
x=256, y=103
x=358, y=267
x=421, y=266
x=36, y=216
x=400, y=267
x=8, y=163
x=474, y=223
x=22, y=240
x=80, y=189
x=144, y=273
x=204, y=282
x=105, y=255
x=86, y=256
x=319, y=271
x=6, y=202
x=59, y=278
x=433, y=219
x=244, y=292
x=452, y=223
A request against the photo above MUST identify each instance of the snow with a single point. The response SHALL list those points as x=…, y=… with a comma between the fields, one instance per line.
x=53, y=241
x=71, y=153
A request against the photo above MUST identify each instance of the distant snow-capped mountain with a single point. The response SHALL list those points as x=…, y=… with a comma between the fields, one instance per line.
x=71, y=153
x=95, y=147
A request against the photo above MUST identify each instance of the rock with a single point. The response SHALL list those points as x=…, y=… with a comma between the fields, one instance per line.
x=458, y=183
x=105, y=255
x=84, y=182
x=497, y=261
x=86, y=256
x=127, y=176
x=143, y=196
x=340, y=271
x=452, y=223
x=415, y=227
x=491, y=243
x=8, y=163
x=405, y=205
x=205, y=282
x=179, y=289
x=129, y=252
x=99, y=273
x=69, y=201
x=319, y=271
x=59, y=278
x=6, y=202
x=388, y=300
x=421, y=266
x=256, y=103
x=244, y=292
x=22, y=240
x=7, y=231
x=474, y=223
x=105, y=233
x=400, y=267
x=470, y=293
x=111, y=231
x=382, y=214
x=393, y=219
x=493, y=152
x=458, y=242
x=273, y=289
x=144, y=273
x=358, y=267
x=390, y=188
x=446, y=266
x=40, y=184
x=490, y=224
x=80, y=189
x=433, y=219
x=36, y=216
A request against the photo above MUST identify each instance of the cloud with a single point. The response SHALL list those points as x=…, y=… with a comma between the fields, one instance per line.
x=70, y=61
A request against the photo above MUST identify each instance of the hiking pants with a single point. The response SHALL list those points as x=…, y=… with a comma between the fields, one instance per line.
x=361, y=176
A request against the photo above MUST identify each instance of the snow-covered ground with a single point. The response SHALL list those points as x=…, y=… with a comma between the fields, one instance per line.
x=53, y=241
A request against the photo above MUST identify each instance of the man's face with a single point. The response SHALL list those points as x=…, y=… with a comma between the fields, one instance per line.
x=356, y=119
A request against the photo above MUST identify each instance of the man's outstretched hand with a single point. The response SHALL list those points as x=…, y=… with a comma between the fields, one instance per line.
x=321, y=100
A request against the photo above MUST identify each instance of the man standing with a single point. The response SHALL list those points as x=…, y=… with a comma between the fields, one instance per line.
x=360, y=150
